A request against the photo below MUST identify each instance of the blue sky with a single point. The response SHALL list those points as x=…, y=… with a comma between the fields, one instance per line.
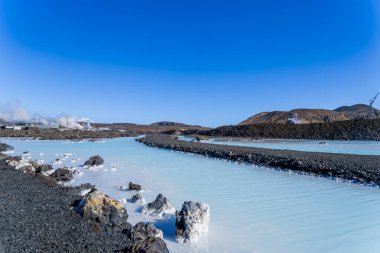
x=199, y=62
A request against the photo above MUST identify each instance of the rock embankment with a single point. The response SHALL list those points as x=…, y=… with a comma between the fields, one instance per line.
x=359, y=129
x=363, y=169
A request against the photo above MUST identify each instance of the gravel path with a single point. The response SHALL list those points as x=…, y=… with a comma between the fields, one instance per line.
x=38, y=218
x=362, y=169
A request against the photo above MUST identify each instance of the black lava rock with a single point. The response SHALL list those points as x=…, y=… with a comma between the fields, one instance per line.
x=62, y=174
x=94, y=161
x=134, y=187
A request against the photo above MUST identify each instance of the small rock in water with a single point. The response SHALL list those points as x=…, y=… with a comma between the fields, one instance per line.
x=160, y=207
x=62, y=174
x=138, y=199
x=192, y=221
x=94, y=161
x=134, y=187
x=57, y=161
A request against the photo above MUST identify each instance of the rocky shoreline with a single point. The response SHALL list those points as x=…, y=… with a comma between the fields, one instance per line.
x=359, y=129
x=362, y=169
x=67, y=134
x=39, y=215
x=41, y=212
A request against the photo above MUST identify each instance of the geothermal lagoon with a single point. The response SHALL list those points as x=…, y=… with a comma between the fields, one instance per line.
x=253, y=209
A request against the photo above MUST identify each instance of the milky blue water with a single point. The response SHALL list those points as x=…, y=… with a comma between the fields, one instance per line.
x=253, y=209
x=347, y=147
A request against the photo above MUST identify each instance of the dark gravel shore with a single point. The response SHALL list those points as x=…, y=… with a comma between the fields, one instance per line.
x=36, y=215
x=362, y=169
x=38, y=218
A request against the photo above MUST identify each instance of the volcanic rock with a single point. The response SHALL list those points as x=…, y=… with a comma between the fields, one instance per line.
x=104, y=210
x=138, y=199
x=5, y=147
x=160, y=207
x=94, y=161
x=134, y=187
x=192, y=221
x=62, y=174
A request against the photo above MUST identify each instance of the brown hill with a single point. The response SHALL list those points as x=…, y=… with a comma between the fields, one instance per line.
x=307, y=116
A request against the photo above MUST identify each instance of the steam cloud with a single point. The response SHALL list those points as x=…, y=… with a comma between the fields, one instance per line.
x=15, y=113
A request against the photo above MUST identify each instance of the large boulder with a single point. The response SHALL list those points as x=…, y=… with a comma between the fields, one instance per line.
x=104, y=210
x=192, y=221
x=160, y=207
x=63, y=174
x=94, y=161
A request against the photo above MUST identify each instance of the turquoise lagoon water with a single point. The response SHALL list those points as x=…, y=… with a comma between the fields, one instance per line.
x=253, y=209
x=347, y=147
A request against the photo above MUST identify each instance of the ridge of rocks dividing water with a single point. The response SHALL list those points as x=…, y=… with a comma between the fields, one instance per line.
x=361, y=169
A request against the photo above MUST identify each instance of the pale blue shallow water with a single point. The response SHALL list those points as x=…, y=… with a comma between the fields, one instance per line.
x=253, y=209
x=347, y=147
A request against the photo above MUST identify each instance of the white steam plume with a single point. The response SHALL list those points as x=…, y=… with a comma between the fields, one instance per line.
x=15, y=113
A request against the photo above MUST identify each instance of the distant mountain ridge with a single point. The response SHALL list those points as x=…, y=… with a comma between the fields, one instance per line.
x=307, y=116
x=168, y=123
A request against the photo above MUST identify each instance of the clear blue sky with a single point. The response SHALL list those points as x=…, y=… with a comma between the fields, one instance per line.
x=200, y=62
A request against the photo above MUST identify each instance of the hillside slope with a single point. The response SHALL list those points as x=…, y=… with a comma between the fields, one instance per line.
x=307, y=116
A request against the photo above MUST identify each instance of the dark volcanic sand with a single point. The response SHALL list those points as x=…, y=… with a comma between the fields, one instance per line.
x=358, y=168
x=37, y=218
